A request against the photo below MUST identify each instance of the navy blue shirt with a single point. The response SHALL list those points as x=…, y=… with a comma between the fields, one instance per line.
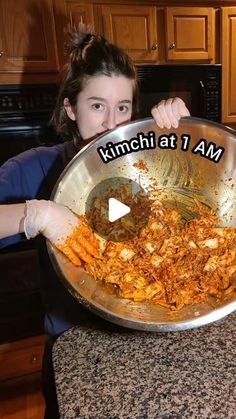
x=32, y=175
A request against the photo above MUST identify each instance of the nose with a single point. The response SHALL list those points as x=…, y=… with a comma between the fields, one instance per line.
x=109, y=119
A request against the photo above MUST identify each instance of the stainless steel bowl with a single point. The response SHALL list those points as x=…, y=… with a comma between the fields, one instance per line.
x=183, y=175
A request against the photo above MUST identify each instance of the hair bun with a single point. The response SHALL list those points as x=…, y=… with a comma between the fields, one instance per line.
x=79, y=37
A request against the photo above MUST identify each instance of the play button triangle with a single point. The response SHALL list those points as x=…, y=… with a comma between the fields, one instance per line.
x=116, y=209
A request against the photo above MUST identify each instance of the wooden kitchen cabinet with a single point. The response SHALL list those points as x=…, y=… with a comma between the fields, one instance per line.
x=133, y=28
x=190, y=33
x=228, y=48
x=27, y=39
x=21, y=357
x=77, y=12
x=69, y=14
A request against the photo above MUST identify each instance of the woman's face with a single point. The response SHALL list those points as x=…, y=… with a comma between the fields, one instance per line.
x=104, y=103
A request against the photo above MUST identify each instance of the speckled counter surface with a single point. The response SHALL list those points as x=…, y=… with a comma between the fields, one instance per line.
x=110, y=372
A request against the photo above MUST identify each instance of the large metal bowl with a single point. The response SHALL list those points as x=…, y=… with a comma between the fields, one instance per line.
x=183, y=175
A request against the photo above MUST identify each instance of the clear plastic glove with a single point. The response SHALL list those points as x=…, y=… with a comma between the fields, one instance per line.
x=64, y=229
x=167, y=113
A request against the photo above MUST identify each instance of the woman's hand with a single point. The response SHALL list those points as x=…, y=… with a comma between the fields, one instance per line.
x=167, y=113
x=64, y=229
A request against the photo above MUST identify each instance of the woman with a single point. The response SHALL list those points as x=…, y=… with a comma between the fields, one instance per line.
x=99, y=91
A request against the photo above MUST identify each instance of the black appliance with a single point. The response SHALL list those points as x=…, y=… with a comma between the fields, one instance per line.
x=25, y=112
x=198, y=85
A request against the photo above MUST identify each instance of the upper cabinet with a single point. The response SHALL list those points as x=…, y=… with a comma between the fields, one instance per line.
x=77, y=12
x=228, y=60
x=69, y=14
x=27, y=37
x=133, y=28
x=190, y=33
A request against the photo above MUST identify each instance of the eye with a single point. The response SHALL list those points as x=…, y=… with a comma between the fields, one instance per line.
x=123, y=108
x=98, y=106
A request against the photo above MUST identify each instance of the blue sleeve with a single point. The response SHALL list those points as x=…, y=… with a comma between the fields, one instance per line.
x=21, y=178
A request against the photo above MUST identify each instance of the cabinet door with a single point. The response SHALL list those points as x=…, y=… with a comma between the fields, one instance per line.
x=69, y=14
x=79, y=13
x=21, y=357
x=190, y=33
x=133, y=28
x=27, y=36
x=228, y=49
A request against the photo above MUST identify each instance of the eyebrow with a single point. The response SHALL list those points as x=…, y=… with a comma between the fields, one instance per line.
x=104, y=100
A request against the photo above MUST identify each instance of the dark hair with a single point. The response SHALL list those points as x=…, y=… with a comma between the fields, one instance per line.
x=89, y=55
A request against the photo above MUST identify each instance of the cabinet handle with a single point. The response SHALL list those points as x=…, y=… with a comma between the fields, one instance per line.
x=1, y=53
x=34, y=359
x=172, y=46
x=154, y=46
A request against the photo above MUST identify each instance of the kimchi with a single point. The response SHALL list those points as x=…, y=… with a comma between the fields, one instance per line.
x=171, y=262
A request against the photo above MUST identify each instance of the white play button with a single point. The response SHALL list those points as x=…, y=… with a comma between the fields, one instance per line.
x=116, y=209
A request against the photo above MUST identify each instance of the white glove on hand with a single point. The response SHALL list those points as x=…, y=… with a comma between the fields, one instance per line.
x=65, y=230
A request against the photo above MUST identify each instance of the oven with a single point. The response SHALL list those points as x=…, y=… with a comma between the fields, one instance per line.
x=25, y=112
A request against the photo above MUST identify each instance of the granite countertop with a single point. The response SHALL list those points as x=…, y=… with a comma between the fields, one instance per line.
x=110, y=372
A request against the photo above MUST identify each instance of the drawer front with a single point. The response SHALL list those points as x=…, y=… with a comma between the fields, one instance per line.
x=17, y=362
